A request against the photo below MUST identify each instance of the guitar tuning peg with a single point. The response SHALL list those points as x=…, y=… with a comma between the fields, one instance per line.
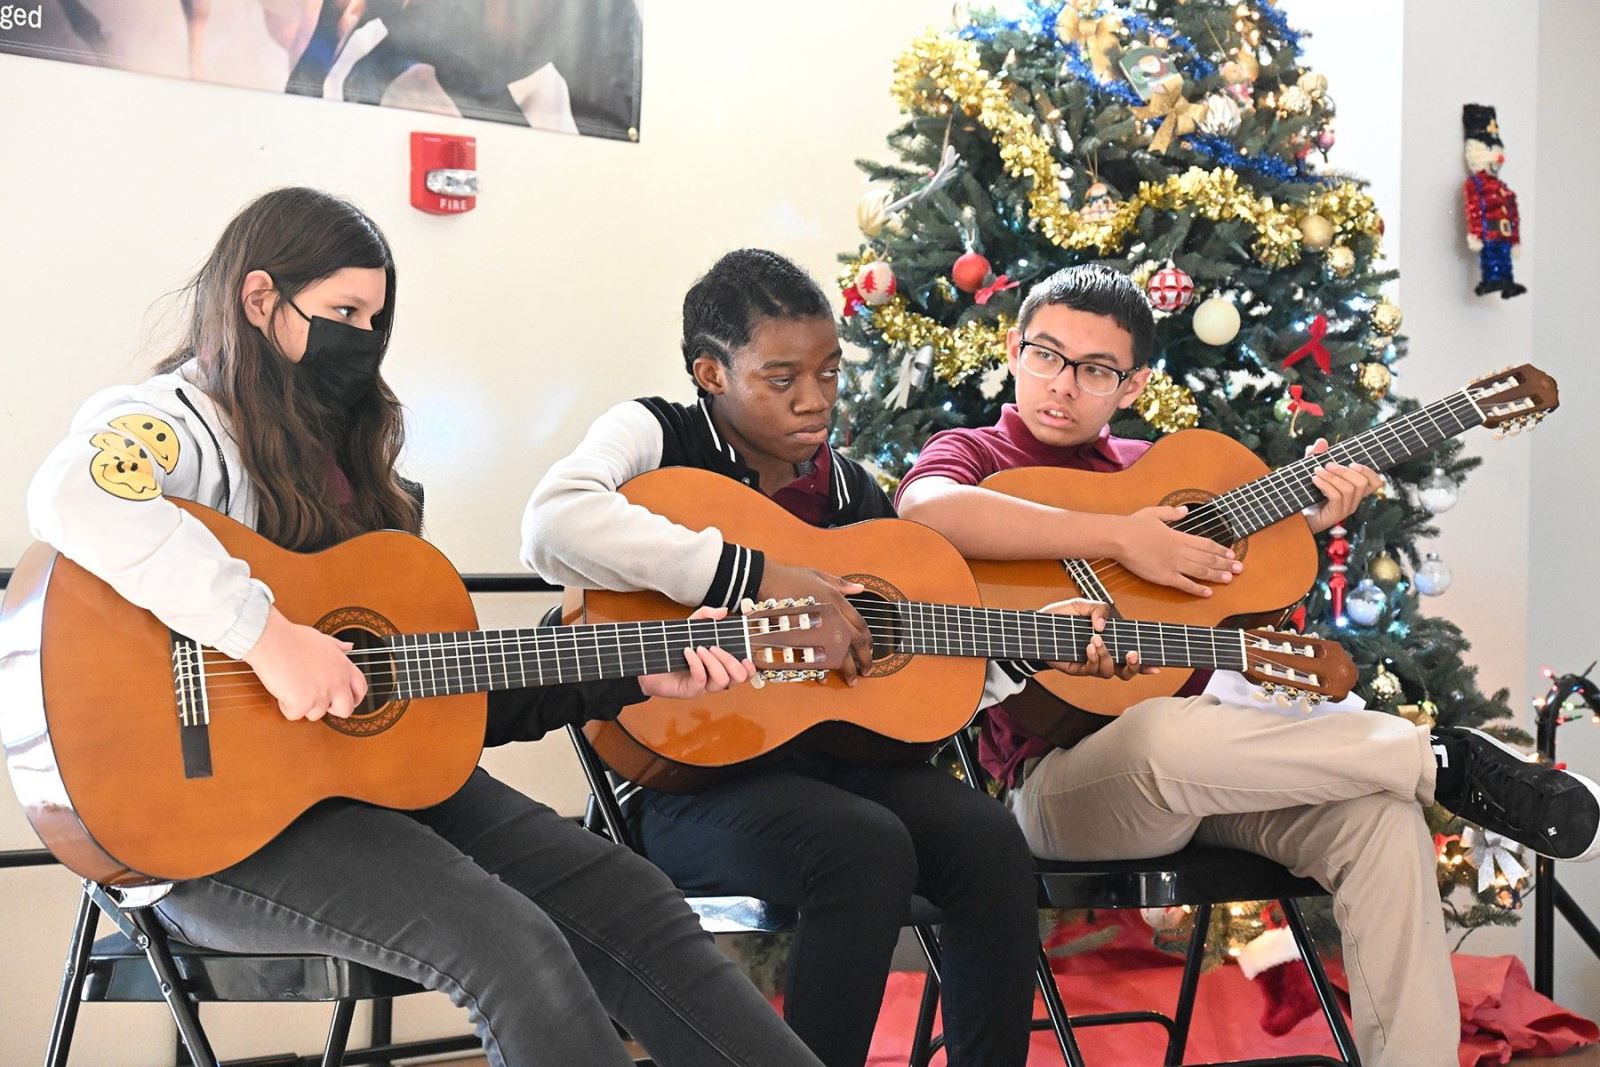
x=806, y=602
x=1499, y=433
x=758, y=680
x=746, y=606
x=1281, y=698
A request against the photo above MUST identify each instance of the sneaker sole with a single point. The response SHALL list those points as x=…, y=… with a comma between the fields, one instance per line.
x=1594, y=790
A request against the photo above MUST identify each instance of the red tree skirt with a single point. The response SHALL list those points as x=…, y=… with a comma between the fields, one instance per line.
x=1501, y=1015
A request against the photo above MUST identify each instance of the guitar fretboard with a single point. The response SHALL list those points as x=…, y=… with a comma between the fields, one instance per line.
x=475, y=661
x=1289, y=489
x=992, y=633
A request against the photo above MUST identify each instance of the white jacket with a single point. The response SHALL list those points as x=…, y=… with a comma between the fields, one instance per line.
x=100, y=499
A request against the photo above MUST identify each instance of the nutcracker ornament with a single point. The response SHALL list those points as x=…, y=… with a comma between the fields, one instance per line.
x=1493, y=228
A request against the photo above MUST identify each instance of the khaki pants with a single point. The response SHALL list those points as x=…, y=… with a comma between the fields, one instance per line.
x=1335, y=797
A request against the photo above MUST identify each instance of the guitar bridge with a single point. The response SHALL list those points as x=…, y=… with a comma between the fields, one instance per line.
x=193, y=706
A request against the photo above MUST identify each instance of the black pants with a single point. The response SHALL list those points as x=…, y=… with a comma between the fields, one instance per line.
x=848, y=847
x=539, y=928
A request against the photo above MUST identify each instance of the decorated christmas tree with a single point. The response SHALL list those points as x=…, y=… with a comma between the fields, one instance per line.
x=1184, y=143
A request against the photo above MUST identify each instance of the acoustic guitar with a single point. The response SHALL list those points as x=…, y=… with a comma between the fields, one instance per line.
x=1234, y=500
x=931, y=638
x=140, y=756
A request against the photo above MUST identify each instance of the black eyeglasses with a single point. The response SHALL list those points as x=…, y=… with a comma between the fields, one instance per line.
x=1096, y=379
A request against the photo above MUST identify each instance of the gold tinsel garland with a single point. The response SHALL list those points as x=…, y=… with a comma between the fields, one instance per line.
x=973, y=346
x=939, y=69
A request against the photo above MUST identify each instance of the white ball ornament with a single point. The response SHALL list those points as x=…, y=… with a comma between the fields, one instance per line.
x=875, y=282
x=1216, y=321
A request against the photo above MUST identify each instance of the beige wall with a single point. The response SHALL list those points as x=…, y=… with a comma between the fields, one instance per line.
x=521, y=321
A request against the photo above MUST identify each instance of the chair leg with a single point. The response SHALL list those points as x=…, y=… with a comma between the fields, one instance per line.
x=153, y=940
x=1071, y=1055
x=1178, y=1043
x=383, y=1024
x=1319, y=982
x=923, y=1045
x=922, y=1036
x=344, y=1012
x=72, y=979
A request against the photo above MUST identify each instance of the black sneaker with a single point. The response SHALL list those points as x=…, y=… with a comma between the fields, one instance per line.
x=1555, y=813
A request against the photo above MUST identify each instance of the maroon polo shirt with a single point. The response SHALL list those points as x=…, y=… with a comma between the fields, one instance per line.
x=968, y=456
x=806, y=498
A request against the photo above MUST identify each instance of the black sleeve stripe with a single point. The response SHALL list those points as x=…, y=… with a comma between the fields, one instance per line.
x=720, y=593
x=739, y=574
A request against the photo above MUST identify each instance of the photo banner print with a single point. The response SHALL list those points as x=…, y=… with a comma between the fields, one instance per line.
x=571, y=66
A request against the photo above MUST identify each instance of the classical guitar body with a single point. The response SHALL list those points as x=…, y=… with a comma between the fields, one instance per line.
x=118, y=774
x=1186, y=468
x=903, y=702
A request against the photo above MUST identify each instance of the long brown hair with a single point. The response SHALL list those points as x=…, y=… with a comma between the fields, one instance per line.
x=298, y=236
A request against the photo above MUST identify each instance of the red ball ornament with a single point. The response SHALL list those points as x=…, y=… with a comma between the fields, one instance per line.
x=875, y=283
x=1170, y=289
x=969, y=272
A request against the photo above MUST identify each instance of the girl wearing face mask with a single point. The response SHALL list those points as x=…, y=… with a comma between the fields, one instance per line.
x=274, y=411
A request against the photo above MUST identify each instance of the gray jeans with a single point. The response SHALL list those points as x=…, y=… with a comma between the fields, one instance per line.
x=543, y=931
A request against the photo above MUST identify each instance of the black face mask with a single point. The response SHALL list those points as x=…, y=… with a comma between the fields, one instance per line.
x=341, y=361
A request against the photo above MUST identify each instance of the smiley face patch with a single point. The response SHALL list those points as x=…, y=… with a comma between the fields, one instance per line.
x=155, y=434
x=123, y=467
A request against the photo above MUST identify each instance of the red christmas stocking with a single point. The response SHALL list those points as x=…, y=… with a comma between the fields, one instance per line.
x=1272, y=962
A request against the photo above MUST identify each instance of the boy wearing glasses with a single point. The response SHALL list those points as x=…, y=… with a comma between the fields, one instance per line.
x=1336, y=797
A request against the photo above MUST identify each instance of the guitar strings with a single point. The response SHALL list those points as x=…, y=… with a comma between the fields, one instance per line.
x=1261, y=497
x=1169, y=639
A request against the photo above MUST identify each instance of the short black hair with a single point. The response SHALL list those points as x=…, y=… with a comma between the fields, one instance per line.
x=1099, y=290
x=722, y=308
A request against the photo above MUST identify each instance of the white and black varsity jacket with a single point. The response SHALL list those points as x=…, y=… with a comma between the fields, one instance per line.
x=578, y=531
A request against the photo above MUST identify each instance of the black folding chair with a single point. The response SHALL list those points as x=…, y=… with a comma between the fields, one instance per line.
x=141, y=962
x=739, y=914
x=1196, y=876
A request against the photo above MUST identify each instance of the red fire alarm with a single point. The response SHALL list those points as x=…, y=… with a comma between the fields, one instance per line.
x=444, y=173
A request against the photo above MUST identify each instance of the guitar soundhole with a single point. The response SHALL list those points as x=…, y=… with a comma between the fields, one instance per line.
x=876, y=606
x=383, y=705
x=1205, y=519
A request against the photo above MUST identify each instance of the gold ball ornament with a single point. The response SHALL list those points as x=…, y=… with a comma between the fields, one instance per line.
x=1423, y=714
x=1314, y=84
x=1386, y=317
x=1375, y=379
x=1294, y=101
x=872, y=210
x=1341, y=261
x=1316, y=232
x=1384, y=685
x=1216, y=321
x=1384, y=570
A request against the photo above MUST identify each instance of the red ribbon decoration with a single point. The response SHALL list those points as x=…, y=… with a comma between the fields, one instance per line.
x=1298, y=403
x=1001, y=284
x=1314, y=348
x=852, y=301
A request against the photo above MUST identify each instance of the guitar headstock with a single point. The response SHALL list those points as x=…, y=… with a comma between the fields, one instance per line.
x=1514, y=399
x=794, y=640
x=1291, y=664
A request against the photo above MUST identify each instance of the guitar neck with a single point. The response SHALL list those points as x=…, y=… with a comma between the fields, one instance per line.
x=476, y=661
x=992, y=633
x=1289, y=489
